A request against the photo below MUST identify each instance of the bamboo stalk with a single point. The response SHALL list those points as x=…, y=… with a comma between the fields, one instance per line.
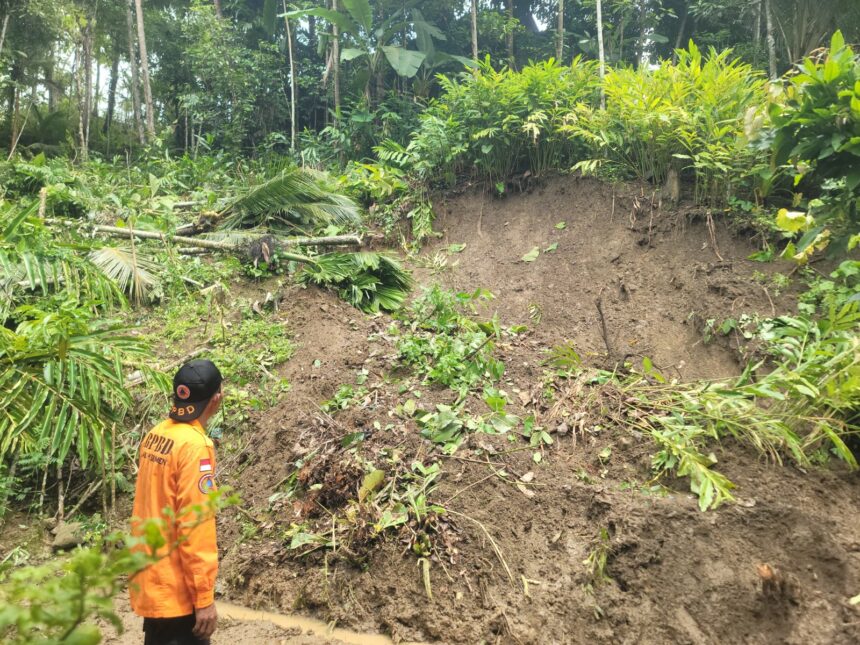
x=112, y=473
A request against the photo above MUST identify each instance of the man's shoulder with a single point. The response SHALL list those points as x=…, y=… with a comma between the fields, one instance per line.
x=183, y=434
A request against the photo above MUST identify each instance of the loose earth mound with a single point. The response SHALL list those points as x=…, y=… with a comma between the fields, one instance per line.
x=591, y=550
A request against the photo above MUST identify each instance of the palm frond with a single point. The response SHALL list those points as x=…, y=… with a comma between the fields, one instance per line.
x=60, y=392
x=297, y=197
x=35, y=261
x=133, y=272
x=369, y=281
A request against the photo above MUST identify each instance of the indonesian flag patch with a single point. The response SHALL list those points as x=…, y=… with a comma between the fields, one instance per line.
x=205, y=466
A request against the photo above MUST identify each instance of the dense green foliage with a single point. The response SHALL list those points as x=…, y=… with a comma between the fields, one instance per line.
x=372, y=282
x=71, y=67
x=261, y=120
x=817, y=132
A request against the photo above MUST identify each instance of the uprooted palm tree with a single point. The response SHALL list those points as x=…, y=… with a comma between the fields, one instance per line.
x=297, y=199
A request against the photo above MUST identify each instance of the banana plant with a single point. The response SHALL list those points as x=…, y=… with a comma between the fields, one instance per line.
x=372, y=39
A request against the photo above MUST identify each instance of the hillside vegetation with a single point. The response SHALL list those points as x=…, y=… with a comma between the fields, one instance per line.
x=483, y=341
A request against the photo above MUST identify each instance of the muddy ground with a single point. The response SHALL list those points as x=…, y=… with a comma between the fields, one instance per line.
x=674, y=574
x=622, y=282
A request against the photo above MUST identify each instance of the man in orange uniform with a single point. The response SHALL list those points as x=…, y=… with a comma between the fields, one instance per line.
x=176, y=595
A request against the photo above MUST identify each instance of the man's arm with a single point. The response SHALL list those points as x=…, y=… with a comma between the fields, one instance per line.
x=198, y=547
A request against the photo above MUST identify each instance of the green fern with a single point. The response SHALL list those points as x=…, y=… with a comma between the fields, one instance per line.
x=35, y=261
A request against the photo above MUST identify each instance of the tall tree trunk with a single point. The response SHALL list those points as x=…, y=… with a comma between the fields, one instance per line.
x=474, y=12
x=135, y=80
x=679, y=40
x=312, y=33
x=335, y=64
x=111, y=105
x=14, y=115
x=757, y=33
x=771, y=42
x=51, y=84
x=86, y=96
x=144, y=70
x=97, y=96
x=509, y=32
x=218, y=9
x=292, y=78
x=80, y=84
x=600, y=53
x=559, y=47
x=640, y=45
x=3, y=32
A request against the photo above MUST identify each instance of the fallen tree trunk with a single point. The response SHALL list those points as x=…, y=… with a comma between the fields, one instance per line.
x=332, y=240
x=283, y=242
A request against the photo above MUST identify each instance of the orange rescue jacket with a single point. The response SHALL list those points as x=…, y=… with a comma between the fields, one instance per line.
x=177, y=471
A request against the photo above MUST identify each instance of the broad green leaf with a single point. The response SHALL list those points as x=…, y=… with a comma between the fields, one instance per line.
x=360, y=12
x=351, y=53
x=334, y=17
x=837, y=42
x=84, y=635
x=302, y=539
x=372, y=482
x=532, y=255
x=561, y=225
x=405, y=62
x=793, y=221
x=552, y=247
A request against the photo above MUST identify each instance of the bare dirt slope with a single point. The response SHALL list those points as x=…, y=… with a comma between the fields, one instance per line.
x=673, y=574
x=659, y=273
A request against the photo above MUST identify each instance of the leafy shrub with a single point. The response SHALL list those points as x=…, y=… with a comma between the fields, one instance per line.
x=368, y=281
x=840, y=288
x=63, y=383
x=445, y=345
x=294, y=198
x=817, y=131
x=688, y=115
x=498, y=122
x=804, y=406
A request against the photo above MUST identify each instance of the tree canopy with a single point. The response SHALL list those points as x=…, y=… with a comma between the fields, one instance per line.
x=108, y=75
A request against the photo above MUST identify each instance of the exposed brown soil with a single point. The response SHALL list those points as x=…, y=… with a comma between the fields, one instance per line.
x=778, y=566
x=674, y=574
x=658, y=273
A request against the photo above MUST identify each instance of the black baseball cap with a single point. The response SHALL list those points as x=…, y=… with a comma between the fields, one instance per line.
x=193, y=385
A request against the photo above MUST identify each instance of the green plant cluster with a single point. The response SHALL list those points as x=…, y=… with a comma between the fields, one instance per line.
x=799, y=402
x=496, y=123
x=448, y=425
x=371, y=282
x=688, y=115
x=816, y=130
x=252, y=345
x=445, y=345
